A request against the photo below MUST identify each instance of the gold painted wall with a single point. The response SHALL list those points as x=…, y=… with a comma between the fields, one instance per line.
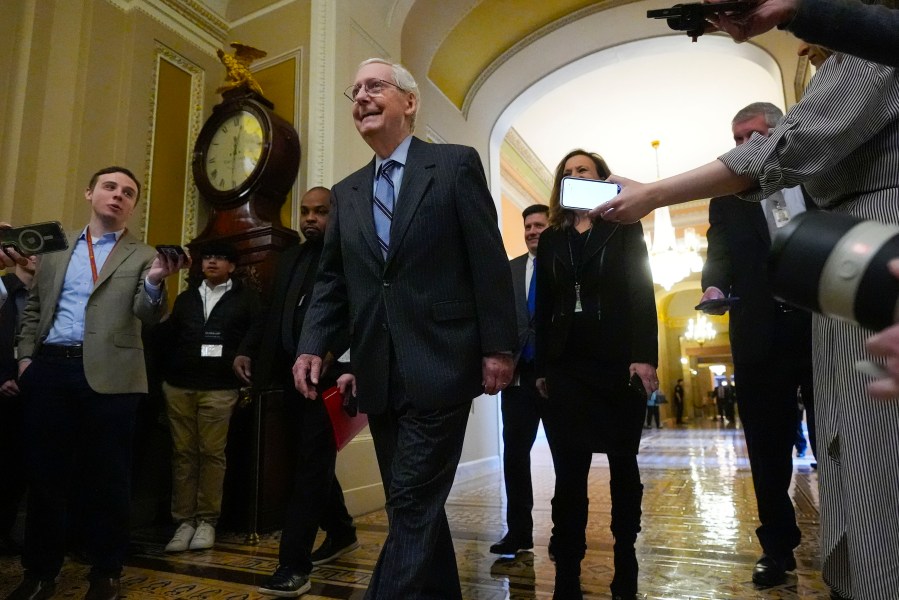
x=279, y=83
x=169, y=178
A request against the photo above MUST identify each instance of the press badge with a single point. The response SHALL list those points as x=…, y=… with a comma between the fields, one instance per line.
x=781, y=216
x=212, y=346
x=211, y=350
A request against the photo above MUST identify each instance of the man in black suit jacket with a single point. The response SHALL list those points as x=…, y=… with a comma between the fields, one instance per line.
x=317, y=498
x=522, y=404
x=771, y=345
x=431, y=313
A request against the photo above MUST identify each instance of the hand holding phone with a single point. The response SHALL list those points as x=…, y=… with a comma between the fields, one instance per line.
x=170, y=251
x=716, y=306
x=38, y=238
x=586, y=194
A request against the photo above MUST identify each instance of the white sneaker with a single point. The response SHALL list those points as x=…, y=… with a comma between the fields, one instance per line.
x=204, y=538
x=181, y=540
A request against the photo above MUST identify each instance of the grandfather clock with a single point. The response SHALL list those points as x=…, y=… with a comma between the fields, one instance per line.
x=245, y=161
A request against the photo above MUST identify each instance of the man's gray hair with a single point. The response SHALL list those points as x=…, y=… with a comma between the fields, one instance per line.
x=773, y=115
x=403, y=80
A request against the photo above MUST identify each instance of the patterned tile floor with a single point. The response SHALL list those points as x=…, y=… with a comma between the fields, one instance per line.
x=698, y=540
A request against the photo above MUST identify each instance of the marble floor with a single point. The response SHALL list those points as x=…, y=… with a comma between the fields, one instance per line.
x=698, y=539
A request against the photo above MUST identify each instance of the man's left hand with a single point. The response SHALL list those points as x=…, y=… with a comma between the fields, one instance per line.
x=497, y=370
x=9, y=258
x=163, y=266
x=648, y=376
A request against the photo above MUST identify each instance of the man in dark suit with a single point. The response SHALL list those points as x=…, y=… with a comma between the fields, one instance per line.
x=265, y=361
x=82, y=374
x=771, y=345
x=414, y=260
x=12, y=462
x=522, y=404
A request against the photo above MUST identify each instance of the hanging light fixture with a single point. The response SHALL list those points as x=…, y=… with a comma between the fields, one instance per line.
x=670, y=259
x=700, y=330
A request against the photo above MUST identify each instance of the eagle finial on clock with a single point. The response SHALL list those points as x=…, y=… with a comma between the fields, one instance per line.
x=238, y=67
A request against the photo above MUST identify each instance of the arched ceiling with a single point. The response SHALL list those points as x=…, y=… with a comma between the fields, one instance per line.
x=488, y=30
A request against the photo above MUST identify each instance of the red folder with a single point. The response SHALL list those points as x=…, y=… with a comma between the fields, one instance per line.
x=345, y=427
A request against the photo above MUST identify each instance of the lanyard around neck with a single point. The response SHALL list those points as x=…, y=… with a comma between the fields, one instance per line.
x=90, y=253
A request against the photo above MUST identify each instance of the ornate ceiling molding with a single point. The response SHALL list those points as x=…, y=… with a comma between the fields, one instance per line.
x=190, y=19
x=531, y=39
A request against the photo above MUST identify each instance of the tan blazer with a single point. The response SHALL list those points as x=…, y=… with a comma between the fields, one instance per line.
x=113, y=349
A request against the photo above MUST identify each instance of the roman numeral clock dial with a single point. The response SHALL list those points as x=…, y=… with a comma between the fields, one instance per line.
x=246, y=156
x=234, y=151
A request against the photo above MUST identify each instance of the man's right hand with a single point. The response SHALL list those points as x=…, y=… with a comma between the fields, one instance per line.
x=242, y=366
x=713, y=293
x=306, y=371
x=763, y=16
x=9, y=388
x=9, y=258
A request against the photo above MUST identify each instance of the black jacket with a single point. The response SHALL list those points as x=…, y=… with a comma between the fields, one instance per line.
x=185, y=332
x=615, y=281
x=739, y=243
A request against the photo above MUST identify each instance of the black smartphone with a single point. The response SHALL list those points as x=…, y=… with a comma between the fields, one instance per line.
x=700, y=8
x=38, y=238
x=717, y=303
x=170, y=251
x=636, y=384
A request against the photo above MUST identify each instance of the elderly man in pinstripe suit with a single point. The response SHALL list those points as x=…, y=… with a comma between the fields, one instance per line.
x=428, y=295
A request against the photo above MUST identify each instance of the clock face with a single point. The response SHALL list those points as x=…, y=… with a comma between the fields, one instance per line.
x=234, y=151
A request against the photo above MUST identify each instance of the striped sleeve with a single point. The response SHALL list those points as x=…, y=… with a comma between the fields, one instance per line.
x=849, y=102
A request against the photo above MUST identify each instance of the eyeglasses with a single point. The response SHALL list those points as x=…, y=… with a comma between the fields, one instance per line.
x=215, y=257
x=372, y=87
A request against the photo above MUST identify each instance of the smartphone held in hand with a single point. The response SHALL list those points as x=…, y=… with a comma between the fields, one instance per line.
x=586, y=194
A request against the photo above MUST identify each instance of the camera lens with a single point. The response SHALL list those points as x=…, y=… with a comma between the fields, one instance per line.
x=836, y=265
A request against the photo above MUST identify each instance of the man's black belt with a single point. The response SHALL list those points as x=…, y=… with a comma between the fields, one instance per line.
x=60, y=351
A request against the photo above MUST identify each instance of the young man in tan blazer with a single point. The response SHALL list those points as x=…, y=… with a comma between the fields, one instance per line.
x=82, y=374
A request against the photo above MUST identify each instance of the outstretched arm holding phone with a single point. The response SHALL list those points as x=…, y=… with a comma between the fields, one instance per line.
x=869, y=31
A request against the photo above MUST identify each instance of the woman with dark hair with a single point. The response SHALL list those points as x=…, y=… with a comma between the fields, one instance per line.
x=597, y=349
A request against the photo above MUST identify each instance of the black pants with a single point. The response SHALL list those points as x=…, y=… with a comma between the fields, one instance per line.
x=418, y=452
x=12, y=463
x=317, y=498
x=652, y=413
x=679, y=411
x=523, y=407
x=768, y=410
x=572, y=455
x=77, y=441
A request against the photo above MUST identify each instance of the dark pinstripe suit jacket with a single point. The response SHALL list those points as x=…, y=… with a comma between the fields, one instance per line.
x=441, y=300
x=519, y=266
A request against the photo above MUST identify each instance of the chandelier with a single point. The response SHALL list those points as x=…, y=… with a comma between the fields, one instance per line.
x=670, y=259
x=700, y=330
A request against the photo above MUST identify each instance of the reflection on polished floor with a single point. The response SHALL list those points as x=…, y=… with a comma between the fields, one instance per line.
x=698, y=539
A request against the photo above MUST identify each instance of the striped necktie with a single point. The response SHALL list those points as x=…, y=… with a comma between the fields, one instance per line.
x=382, y=207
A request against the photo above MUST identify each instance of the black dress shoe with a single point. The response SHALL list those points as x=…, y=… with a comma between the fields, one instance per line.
x=103, y=588
x=32, y=588
x=333, y=548
x=567, y=588
x=286, y=583
x=508, y=545
x=769, y=571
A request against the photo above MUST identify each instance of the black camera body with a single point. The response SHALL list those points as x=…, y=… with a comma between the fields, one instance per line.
x=836, y=265
x=692, y=17
x=38, y=238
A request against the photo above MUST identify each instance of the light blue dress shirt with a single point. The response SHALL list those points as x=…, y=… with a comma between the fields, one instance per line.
x=68, y=322
x=399, y=155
